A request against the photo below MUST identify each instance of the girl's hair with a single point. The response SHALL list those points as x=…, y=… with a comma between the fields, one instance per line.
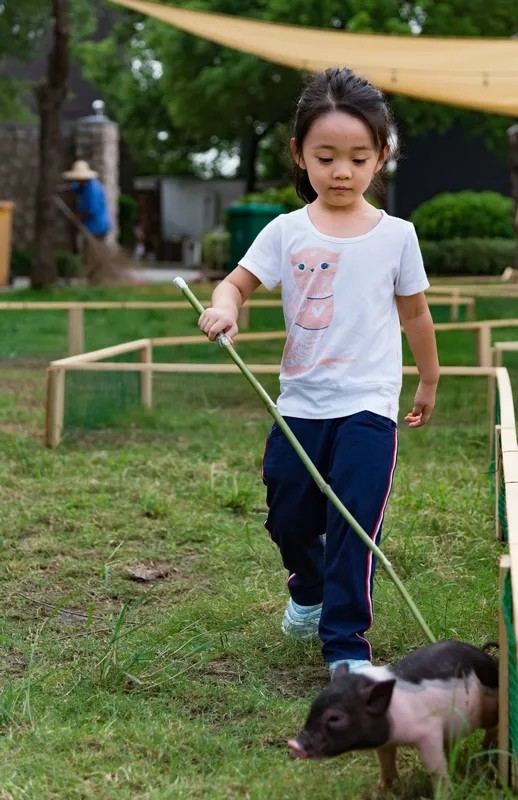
x=340, y=90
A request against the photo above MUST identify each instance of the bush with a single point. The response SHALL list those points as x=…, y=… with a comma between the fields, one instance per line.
x=215, y=249
x=464, y=214
x=284, y=196
x=287, y=197
x=469, y=256
x=21, y=261
x=68, y=264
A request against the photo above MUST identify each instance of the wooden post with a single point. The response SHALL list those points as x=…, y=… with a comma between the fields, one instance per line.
x=55, y=411
x=484, y=345
x=454, y=305
x=243, y=319
x=76, y=330
x=503, y=681
x=146, y=376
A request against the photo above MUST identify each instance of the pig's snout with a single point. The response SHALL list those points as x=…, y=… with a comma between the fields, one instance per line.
x=297, y=749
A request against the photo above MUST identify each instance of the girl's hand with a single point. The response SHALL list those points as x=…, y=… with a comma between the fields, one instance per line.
x=216, y=320
x=424, y=403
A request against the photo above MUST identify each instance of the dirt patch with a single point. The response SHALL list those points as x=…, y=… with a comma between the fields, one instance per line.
x=293, y=683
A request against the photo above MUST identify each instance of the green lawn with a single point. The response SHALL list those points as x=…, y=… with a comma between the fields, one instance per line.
x=184, y=687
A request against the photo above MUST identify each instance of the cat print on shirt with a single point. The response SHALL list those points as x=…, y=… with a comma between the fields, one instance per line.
x=310, y=309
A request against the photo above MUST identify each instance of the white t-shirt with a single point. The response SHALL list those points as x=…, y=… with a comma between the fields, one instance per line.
x=343, y=347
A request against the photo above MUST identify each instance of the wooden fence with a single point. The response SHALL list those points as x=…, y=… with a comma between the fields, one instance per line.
x=76, y=311
x=502, y=434
x=506, y=513
x=97, y=361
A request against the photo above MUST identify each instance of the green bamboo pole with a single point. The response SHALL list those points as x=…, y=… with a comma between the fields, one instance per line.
x=315, y=474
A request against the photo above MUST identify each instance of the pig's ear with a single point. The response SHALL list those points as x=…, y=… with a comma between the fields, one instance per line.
x=341, y=671
x=377, y=696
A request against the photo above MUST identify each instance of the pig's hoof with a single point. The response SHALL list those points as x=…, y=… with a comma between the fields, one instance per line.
x=386, y=783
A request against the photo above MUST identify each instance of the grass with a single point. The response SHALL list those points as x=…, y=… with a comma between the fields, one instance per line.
x=184, y=687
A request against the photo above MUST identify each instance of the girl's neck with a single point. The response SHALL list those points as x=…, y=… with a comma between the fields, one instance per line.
x=343, y=223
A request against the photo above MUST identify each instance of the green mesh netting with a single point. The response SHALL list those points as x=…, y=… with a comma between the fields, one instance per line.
x=502, y=512
x=493, y=467
x=98, y=399
x=112, y=399
x=507, y=608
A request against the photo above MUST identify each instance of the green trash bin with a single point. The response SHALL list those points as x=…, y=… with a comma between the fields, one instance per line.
x=244, y=223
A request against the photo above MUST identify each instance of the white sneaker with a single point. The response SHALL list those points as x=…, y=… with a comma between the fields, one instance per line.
x=354, y=664
x=301, y=622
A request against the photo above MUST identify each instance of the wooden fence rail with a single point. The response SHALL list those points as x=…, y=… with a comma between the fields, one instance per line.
x=76, y=311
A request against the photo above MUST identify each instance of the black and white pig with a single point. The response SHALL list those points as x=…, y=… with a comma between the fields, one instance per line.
x=428, y=699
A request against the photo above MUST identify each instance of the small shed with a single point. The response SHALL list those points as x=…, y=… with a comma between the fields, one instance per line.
x=176, y=211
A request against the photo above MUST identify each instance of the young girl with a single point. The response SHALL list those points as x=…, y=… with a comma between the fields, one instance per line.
x=350, y=275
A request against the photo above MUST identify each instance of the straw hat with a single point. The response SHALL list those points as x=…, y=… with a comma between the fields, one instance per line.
x=80, y=172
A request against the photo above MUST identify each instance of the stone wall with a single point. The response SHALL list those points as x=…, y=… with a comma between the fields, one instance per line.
x=94, y=139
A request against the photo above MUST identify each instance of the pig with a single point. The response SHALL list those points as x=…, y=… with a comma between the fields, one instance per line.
x=431, y=697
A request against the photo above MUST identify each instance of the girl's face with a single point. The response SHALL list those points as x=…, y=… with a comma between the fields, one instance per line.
x=340, y=159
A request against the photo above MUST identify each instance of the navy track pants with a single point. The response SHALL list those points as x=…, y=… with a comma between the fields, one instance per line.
x=326, y=559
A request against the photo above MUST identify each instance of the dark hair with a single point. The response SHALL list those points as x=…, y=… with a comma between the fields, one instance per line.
x=339, y=90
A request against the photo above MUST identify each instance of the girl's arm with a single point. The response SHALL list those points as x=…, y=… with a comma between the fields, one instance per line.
x=227, y=299
x=418, y=326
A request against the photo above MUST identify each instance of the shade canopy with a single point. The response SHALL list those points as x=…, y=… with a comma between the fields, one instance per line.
x=476, y=73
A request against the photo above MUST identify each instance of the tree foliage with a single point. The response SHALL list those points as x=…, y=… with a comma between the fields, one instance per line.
x=129, y=75
x=23, y=27
x=25, y=30
x=201, y=95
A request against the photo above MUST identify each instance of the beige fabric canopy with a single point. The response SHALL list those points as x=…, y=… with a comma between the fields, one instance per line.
x=481, y=74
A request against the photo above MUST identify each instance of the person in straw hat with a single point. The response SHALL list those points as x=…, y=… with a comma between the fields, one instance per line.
x=92, y=207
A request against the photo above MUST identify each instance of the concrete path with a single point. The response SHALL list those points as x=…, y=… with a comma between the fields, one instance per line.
x=164, y=274
x=138, y=275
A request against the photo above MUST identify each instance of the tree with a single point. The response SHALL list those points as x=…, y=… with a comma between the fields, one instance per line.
x=207, y=96
x=23, y=27
x=50, y=95
x=459, y=18
x=26, y=26
x=193, y=94
x=135, y=99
